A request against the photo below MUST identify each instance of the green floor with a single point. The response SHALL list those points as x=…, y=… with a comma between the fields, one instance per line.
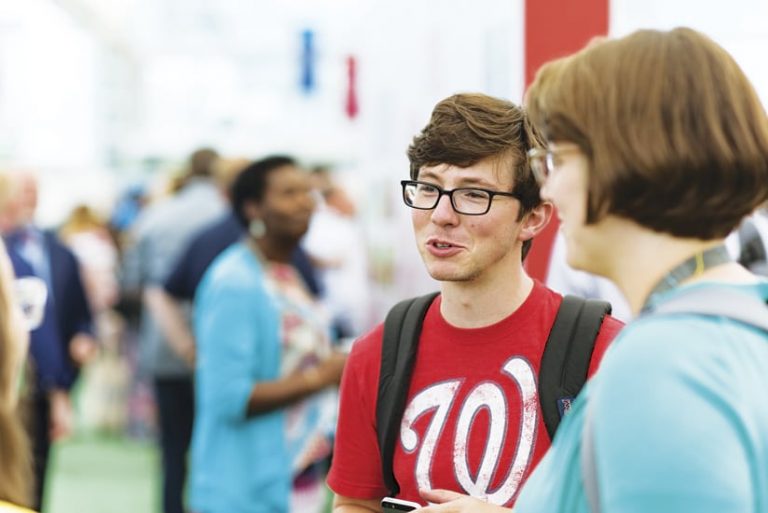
x=91, y=474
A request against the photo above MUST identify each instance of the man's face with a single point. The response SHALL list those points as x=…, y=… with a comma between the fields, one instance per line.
x=11, y=204
x=458, y=247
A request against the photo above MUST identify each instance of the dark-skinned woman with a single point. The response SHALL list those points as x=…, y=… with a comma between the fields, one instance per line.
x=264, y=364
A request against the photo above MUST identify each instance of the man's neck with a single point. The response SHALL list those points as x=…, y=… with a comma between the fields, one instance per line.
x=483, y=302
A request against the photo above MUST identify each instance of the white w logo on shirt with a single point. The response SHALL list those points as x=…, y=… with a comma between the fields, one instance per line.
x=486, y=395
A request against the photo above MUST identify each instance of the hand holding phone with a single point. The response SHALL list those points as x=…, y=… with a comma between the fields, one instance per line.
x=392, y=505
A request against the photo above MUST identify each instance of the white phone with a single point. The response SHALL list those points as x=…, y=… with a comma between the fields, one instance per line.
x=392, y=505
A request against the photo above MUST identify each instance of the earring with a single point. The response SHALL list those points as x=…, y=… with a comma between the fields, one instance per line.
x=257, y=229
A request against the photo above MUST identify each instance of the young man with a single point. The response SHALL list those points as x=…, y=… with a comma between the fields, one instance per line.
x=472, y=421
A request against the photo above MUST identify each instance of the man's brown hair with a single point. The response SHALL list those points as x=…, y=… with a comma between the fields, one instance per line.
x=468, y=128
x=675, y=135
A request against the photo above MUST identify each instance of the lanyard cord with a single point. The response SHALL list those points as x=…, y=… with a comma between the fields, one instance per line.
x=693, y=266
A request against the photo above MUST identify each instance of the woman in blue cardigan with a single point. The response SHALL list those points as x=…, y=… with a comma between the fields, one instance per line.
x=263, y=356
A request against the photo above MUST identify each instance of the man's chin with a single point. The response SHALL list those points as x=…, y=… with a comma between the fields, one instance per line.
x=451, y=275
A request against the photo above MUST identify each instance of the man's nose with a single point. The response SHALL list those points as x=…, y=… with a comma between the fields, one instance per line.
x=444, y=209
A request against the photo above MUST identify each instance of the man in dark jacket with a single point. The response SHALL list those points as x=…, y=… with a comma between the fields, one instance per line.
x=64, y=340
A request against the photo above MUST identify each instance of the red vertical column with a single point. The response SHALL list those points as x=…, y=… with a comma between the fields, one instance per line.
x=554, y=28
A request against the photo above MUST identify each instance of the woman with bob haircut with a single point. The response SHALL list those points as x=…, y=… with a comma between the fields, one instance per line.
x=657, y=148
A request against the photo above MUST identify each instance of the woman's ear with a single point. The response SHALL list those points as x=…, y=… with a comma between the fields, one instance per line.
x=536, y=220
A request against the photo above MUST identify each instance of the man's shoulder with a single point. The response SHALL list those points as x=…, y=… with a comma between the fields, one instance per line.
x=56, y=247
x=214, y=238
x=367, y=348
x=364, y=364
x=151, y=214
x=543, y=292
x=610, y=324
x=186, y=212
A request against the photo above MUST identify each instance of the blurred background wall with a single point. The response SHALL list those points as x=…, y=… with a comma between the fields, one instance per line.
x=101, y=94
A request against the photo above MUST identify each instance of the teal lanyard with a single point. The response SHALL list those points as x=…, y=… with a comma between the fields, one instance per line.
x=695, y=265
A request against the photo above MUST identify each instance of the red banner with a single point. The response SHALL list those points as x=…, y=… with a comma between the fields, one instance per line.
x=554, y=28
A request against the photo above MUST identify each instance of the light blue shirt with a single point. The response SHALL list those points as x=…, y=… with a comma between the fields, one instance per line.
x=680, y=422
x=239, y=464
x=161, y=234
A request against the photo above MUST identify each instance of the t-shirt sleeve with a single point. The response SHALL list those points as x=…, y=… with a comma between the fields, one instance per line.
x=667, y=438
x=181, y=281
x=356, y=467
x=608, y=331
x=177, y=283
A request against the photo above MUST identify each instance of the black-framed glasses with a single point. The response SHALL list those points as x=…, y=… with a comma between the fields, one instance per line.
x=544, y=160
x=470, y=201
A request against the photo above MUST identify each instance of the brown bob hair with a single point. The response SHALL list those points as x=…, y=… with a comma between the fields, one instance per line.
x=676, y=136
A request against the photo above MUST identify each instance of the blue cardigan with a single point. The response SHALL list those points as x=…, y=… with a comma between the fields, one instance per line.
x=239, y=463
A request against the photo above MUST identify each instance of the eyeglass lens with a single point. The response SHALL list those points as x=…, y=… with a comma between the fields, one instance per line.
x=463, y=201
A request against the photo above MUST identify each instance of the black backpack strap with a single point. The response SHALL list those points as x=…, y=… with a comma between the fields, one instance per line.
x=567, y=355
x=402, y=329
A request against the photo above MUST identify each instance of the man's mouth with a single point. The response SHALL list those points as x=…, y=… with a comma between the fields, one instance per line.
x=441, y=244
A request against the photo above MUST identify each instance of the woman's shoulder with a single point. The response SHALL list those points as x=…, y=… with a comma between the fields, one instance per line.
x=688, y=330
x=686, y=351
x=7, y=507
x=661, y=346
x=236, y=267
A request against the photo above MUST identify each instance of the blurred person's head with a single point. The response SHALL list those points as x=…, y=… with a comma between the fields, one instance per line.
x=272, y=197
x=15, y=458
x=470, y=129
x=321, y=177
x=338, y=199
x=333, y=193
x=128, y=206
x=82, y=218
x=668, y=134
x=28, y=196
x=18, y=198
x=9, y=202
x=202, y=162
x=226, y=171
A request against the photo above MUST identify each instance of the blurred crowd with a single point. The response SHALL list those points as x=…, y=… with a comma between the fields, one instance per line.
x=218, y=318
x=116, y=351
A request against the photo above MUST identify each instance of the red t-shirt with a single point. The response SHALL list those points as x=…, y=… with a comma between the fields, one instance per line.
x=462, y=379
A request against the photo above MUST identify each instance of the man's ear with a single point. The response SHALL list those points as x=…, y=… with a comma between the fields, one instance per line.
x=536, y=220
